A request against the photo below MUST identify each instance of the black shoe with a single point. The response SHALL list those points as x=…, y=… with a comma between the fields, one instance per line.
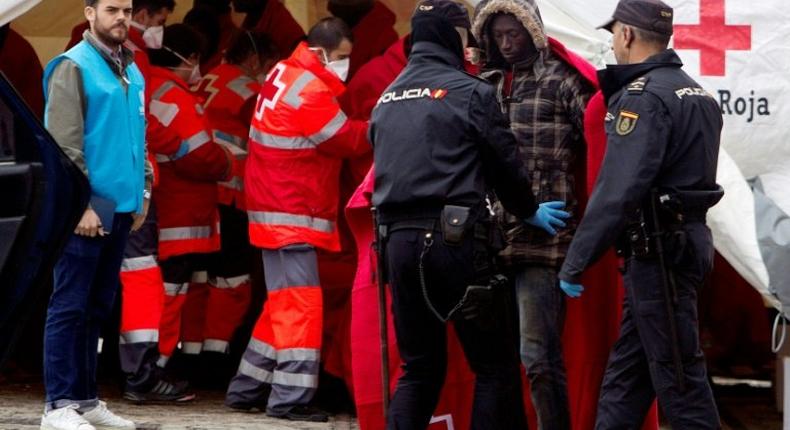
x=162, y=392
x=303, y=413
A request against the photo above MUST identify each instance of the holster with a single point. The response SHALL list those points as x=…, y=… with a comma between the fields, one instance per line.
x=455, y=221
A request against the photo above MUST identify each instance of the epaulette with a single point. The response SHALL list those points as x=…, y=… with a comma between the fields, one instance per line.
x=638, y=86
x=474, y=76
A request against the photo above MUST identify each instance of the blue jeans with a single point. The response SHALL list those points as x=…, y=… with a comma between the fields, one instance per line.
x=541, y=307
x=86, y=281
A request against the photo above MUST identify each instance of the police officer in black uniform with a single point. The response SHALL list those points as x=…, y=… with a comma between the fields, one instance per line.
x=440, y=143
x=656, y=184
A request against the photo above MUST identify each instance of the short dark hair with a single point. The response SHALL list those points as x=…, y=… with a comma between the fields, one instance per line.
x=206, y=22
x=329, y=33
x=650, y=37
x=180, y=38
x=153, y=6
x=91, y=3
x=248, y=43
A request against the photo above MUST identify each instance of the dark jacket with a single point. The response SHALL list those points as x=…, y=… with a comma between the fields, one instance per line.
x=663, y=132
x=439, y=138
x=545, y=105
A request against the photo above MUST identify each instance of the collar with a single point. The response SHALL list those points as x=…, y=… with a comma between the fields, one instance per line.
x=308, y=60
x=535, y=63
x=168, y=75
x=122, y=56
x=615, y=76
x=429, y=52
x=135, y=41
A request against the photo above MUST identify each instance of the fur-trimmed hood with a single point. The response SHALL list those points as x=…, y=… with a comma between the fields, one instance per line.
x=526, y=11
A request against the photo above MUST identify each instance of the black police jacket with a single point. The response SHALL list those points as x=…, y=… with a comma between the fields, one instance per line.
x=440, y=138
x=663, y=133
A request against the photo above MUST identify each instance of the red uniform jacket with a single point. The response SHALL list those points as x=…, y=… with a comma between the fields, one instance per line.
x=228, y=97
x=298, y=138
x=372, y=36
x=20, y=64
x=281, y=26
x=190, y=164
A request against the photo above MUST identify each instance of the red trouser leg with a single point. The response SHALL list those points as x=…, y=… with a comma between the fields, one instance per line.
x=177, y=273
x=141, y=311
x=284, y=351
x=228, y=301
x=142, y=294
x=193, y=314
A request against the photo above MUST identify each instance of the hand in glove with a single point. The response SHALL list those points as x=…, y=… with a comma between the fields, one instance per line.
x=548, y=216
x=572, y=290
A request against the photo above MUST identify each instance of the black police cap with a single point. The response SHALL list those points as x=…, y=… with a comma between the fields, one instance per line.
x=453, y=12
x=650, y=15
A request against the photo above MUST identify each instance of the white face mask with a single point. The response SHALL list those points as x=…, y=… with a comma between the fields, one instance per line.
x=194, y=76
x=152, y=36
x=339, y=68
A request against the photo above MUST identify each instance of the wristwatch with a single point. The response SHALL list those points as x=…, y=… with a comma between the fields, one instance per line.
x=146, y=194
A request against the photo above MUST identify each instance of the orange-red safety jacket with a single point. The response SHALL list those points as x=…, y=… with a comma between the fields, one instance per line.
x=228, y=97
x=298, y=138
x=190, y=164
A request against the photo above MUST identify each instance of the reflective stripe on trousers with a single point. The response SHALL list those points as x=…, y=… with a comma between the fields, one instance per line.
x=284, y=351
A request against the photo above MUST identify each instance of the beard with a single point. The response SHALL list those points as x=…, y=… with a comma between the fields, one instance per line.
x=112, y=36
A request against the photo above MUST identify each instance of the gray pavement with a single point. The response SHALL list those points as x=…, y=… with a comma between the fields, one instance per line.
x=21, y=406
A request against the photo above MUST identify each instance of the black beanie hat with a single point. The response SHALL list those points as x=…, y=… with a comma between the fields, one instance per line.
x=435, y=21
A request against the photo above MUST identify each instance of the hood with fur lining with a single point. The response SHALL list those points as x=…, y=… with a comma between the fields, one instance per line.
x=526, y=11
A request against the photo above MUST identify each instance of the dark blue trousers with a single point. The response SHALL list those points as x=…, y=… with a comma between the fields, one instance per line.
x=86, y=281
x=641, y=366
x=490, y=348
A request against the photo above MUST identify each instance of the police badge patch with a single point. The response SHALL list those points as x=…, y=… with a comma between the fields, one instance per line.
x=626, y=122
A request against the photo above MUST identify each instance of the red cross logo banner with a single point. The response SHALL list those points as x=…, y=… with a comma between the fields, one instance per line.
x=271, y=91
x=713, y=37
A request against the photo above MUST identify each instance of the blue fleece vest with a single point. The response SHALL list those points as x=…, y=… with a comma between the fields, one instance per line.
x=114, y=124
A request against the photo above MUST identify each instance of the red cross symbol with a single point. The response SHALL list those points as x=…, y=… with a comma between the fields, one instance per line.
x=273, y=87
x=713, y=37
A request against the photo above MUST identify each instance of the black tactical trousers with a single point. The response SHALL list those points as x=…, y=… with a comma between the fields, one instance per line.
x=641, y=364
x=490, y=348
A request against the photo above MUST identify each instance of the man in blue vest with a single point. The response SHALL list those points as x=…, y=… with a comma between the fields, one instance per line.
x=95, y=111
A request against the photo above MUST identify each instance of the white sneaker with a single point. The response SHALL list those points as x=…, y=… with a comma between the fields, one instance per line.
x=66, y=418
x=103, y=419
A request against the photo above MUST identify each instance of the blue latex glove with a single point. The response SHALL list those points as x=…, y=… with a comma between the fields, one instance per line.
x=572, y=290
x=548, y=216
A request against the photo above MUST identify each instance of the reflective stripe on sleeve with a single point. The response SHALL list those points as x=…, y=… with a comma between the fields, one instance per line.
x=196, y=141
x=292, y=96
x=280, y=142
x=239, y=86
x=330, y=129
x=163, y=112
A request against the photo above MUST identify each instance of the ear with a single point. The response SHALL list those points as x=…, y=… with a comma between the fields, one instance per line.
x=141, y=16
x=90, y=14
x=628, y=36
